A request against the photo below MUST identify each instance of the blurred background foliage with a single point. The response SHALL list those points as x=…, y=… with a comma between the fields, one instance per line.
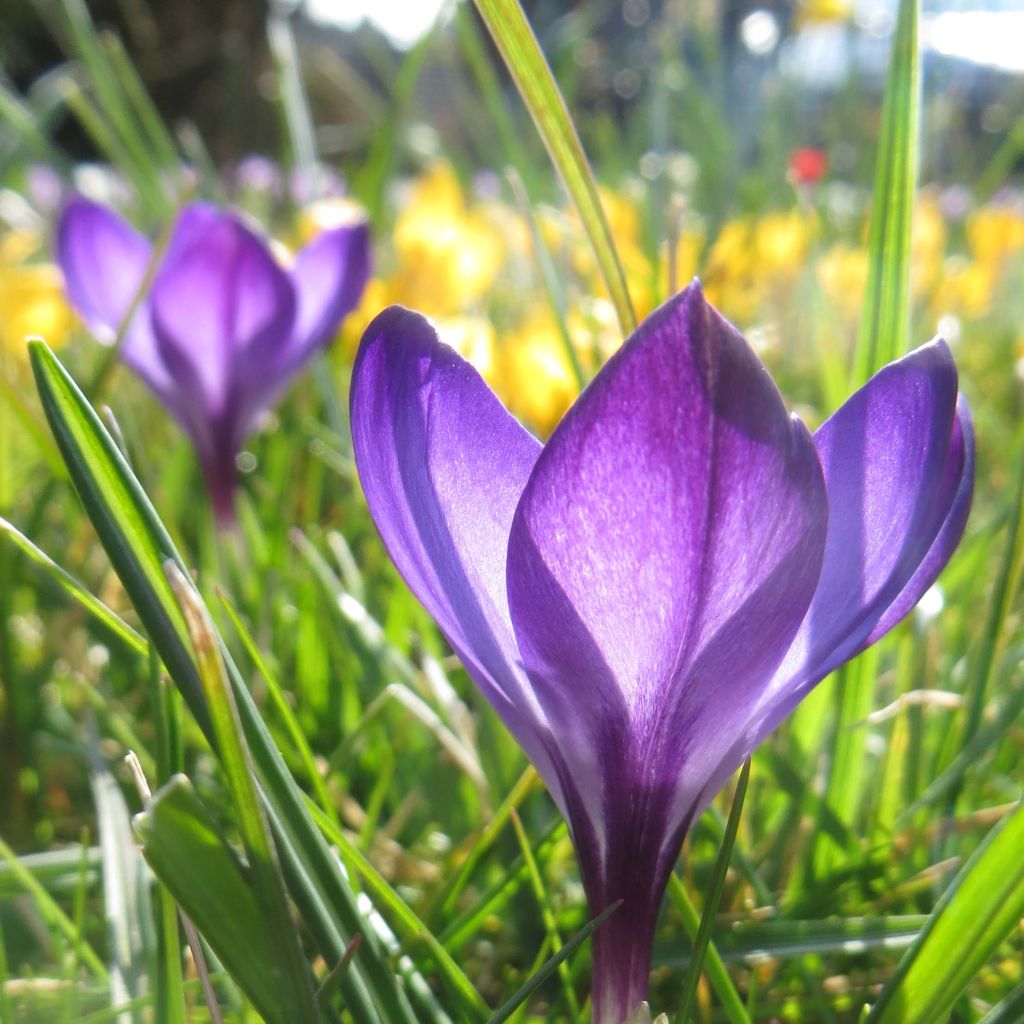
x=736, y=141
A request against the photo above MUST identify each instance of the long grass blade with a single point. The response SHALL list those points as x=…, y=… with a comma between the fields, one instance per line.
x=885, y=319
x=707, y=921
x=522, y=54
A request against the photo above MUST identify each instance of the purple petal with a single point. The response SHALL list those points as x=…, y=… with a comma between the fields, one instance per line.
x=329, y=276
x=104, y=261
x=443, y=464
x=899, y=467
x=222, y=308
x=661, y=559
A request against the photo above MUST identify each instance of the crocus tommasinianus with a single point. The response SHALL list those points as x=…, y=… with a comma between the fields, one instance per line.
x=222, y=326
x=646, y=596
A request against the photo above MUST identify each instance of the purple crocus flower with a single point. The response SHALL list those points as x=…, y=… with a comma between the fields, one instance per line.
x=222, y=326
x=645, y=597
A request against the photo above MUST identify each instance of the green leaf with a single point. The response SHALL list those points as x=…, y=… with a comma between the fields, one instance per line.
x=885, y=319
x=138, y=546
x=525, y=61
x=981, y=908
x=288, y=968
x=202, y=873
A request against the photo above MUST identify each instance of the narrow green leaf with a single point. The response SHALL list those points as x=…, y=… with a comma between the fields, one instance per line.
x=407, y=920
x=885, y=319
x=138, y=545
x=716, y=970
x=536, y=980
x=1009, y=1011
x=177, y=836
x=124, y=890
x=288, y=970
x=981, y=908
x=522, y=54
x=77, y=591
x=707, y=921
x=547, y=914
x=51, y=913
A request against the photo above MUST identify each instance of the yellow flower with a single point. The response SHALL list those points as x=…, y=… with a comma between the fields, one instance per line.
x=994, y=233
x=966, y=288
x=843, y=276
x=536, y=380
x=447, y=255
x=822, y=12
x=31, y=297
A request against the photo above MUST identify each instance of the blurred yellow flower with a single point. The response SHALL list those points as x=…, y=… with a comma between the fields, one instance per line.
x=843, y=276
x=754, y=259
x=324, y=215
x=822, y=12
x=536, y=379
x=31, y=296
x=966, y=288
x=447, y=254
x=994, y=233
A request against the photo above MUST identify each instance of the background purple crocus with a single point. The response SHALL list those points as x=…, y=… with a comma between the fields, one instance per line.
x=645, y=597
x=221, y=326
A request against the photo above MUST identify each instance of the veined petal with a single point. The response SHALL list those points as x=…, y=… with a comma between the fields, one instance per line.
x=662, y=557
x=898, y=458
x=442, y=464
x=329, y=276
x=221, y=307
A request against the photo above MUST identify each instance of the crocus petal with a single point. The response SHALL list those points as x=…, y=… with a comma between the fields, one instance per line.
x=442, y=464
x=220, y=307
x=676, y=514
x=898, y=461
x=104, y=261
x=329, y=276
x=661, y=559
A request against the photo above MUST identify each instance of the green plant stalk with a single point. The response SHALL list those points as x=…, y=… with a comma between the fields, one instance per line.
x=408, y=922
x=975, y=915
x=525, y=61
x=885, y=320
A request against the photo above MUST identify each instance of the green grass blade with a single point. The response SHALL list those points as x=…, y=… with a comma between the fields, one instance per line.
x=536, y=980
x=522, y=54
x=92, y=604
x=976, y=914
x=177, y=835
x=123, y=871
x=714, y=966
x=407, y=920
x=707, y=921
x=885, y=319
x=1009, y=1011
x=547, y=914
x=138, y=545
x=51, y=913
x=288, y=971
